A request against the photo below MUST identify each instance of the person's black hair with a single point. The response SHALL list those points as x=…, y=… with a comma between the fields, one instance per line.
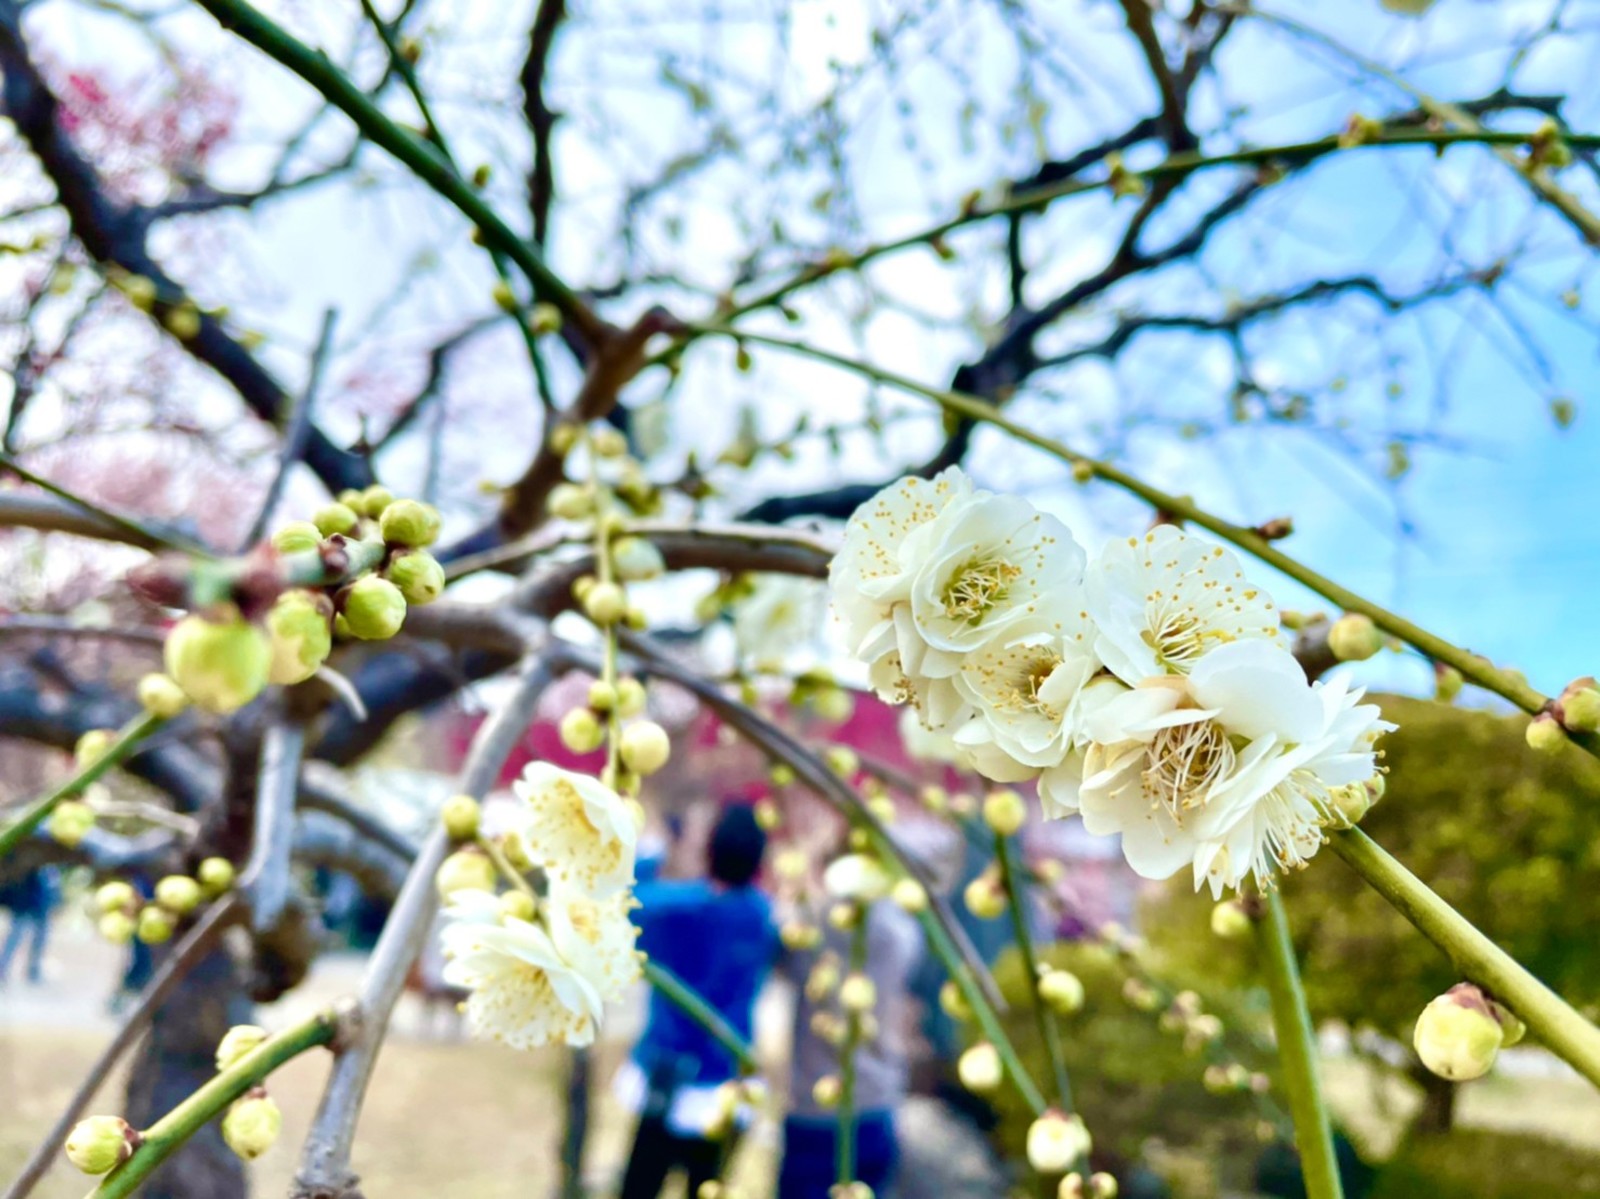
x=737, y=844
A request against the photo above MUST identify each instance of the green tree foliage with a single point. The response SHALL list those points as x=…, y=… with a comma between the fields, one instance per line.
x=1479, y=1164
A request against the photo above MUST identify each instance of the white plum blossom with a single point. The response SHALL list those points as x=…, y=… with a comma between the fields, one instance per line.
x=1161, y=601
x=776, y=619
x=1228, y=771
x=576, y=828
x=522, y=991
x=595, y=935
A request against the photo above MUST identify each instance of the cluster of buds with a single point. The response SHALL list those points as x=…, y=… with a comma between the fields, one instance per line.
x=1099, y=1185
x=1056, y=1142
x=1575, y=710
x=121, y=915
x=1459, y=1035
x=1228, y=1078
x=350, y=572
x=1184, y=1014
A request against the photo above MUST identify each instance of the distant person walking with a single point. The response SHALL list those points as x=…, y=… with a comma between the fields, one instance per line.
x=30, y=900
x=717, y=935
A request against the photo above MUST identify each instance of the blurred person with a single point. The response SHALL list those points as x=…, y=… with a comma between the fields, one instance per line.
x=30, y=900
x=718, y=936
x=894, y=947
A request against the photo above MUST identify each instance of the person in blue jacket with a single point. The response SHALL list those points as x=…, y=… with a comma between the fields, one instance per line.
x=716, y=934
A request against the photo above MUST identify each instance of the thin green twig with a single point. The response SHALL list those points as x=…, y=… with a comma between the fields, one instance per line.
x=1297, y=1049
x=693, y=1005
x=845, y=1143
x=12, y=834
x=1016, y=903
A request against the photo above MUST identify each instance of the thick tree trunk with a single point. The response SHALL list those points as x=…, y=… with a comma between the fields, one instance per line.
x=1438, y=1111
x=178, y=1056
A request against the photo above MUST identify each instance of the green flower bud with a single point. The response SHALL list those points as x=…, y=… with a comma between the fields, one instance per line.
x=1545, y=734
x=1230, y=921
x=375, y=502
x=605, y=604
x=334, y=518
x=1004, y=812
x=504, y=298
x=238, y=1041
x=297, y=537
x=953, y=1003
x=1061, y=991
x=1354, y=637
x=858, y=994
x=1102, y=1186
x=630, y=696
x=350, y=497
x=115, y=896
x=116, y=927
x=909, y=896
x=461, y=817
x=1580, y=709
x=301, y=636
x=515, y=852
x=827, y=1091
x=179, y=894
x=842, y=760
x=645, y=747
x=834, y=704
x=418, y=575
x=215, y=875
x=602, y=696
x=465, y=870
x=183, y=321
x=251, y=1126
x=220, y=666
x=569, y=501
x=160, y=696
x=518, y=905
x=546, y=319
x=608, y=442
x=1348, y=804
x=70, y=822
x=636, y=559
x=781, y=774
x=92, y=746
x=1457, y=1036
x=1447, y=682
x=410, y=523
x=373, y=608
x=101, y=1143
x=581, y=732
x=155, y=925
x=985, y=898
x=979, y=1069
x=1512, y=1028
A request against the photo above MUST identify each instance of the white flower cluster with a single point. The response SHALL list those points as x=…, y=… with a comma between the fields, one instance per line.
x=541, y=973
x=1149, y=690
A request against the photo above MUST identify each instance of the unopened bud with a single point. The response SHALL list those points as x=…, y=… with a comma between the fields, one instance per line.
x=238, y=1042
x=1349, y=803
x=179, y=894
x=608, y=442
x=1061, y=991
x=985, y=898
x=1512, y=1028
x=844, y=916
x=418, y=575
x=301, y=636
x=1580, y=707
x=605, y=604
x=842, y=760
x=858, y=994
x=1545, y=734
x=856, y=877
x=909, y=896
x=825, y=1092
x=115, y=896
x=630, y=696
x=979, y=1069
x=374, y=502
x=545, y=319
x=504, y=298
x=1071, y=1187
x=636, y=559
x=1004, y=812
x=569, y=501
x=834, y=704
x=1447, y=682
x=220, y=666
x=1230, y=921
x=92, y=746
x=465, y=870
x=334, y=518
x=70, y=822
x=796, y=934
x=581, y=731
x=460, y=815
x=1102, y=1186
x=1457, y=1036
x=101, y=1143
x=518, y=905
x=410, y=523
x=952, y=1002
x=1056, y=1141
x=155, y=924
x=1354, y=637
x=767, y=815
x=645, y=747
x=215, y=875
x=373, y=608
x=116, y=927
x=297, y=537
x=160, y=696
x=781, y=774
x=251, y=1126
